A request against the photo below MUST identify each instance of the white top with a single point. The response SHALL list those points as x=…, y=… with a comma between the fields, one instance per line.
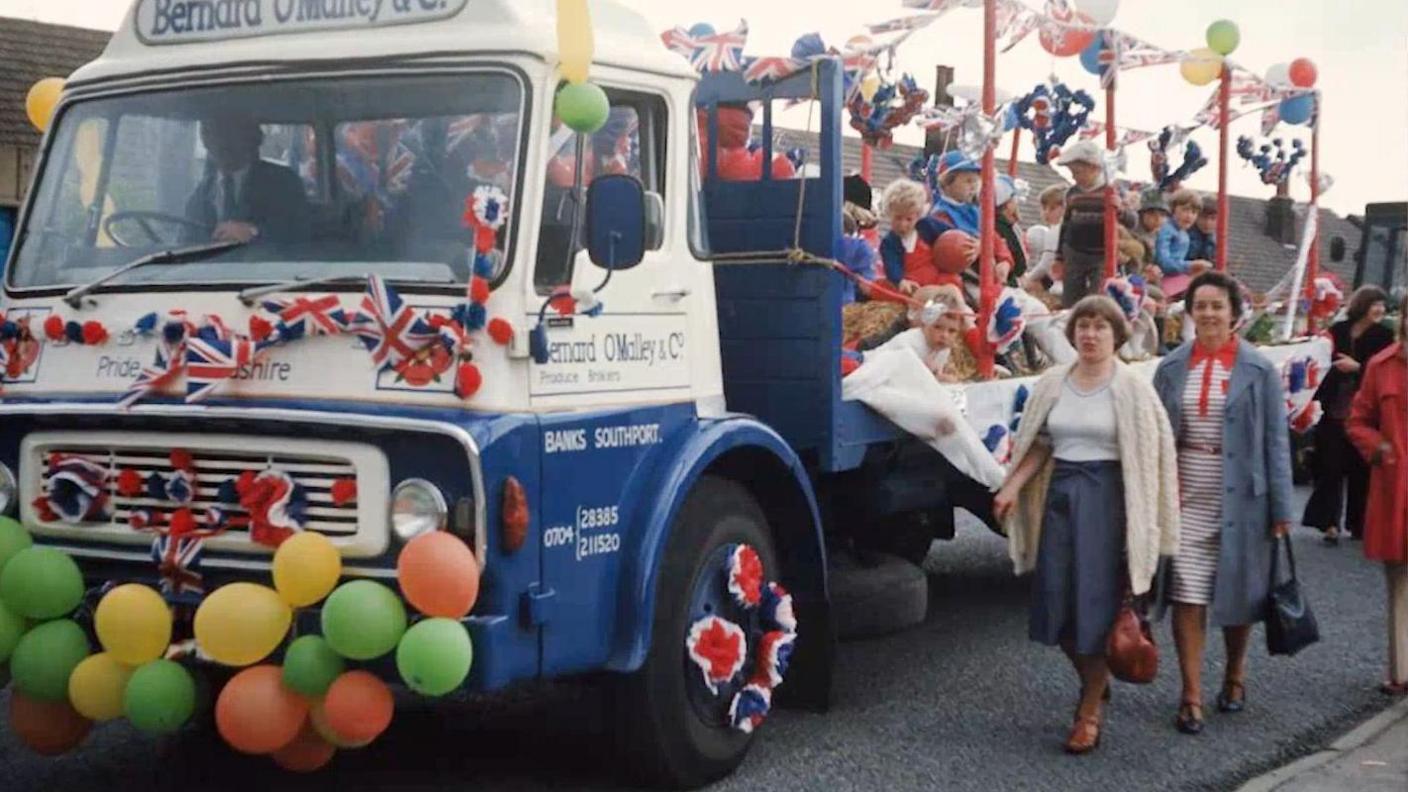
x=1082, y=425
x=1041, y=241
x=913, y=340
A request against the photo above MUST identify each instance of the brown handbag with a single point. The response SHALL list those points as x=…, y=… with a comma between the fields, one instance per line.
x=1131, y=653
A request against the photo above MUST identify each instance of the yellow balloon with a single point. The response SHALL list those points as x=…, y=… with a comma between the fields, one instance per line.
x=869, y=86
x=133, y=624
x=306, y=567
x=1202, y=67
x=96, y=687
x=43, y=97
x=241, y=624
x=575, y=42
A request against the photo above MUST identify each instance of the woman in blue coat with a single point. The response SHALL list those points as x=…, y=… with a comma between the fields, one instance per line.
x=1225, y=403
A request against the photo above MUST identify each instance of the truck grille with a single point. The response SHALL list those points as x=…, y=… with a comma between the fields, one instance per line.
x=359, y=528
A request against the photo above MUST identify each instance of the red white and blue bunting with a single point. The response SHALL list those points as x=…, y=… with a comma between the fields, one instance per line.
x=76, y=491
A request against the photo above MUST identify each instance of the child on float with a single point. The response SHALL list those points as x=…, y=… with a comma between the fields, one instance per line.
x=938, y=322
x=1081, y=250
x=956, y=205
x=855, y=253
x=1202, y=237
x=1171, y=245
x=1042, y=245
x=1153, y=211
x=1009, y=230
x=907, y=250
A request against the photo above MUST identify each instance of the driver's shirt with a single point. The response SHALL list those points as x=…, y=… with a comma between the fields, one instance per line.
x=228, y=208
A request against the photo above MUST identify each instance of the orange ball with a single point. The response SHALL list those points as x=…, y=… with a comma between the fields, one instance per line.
x=256, y=714
x=951, y=251
x=439, y=575
x=358, y=707
x=307, y=752
x=49, y=728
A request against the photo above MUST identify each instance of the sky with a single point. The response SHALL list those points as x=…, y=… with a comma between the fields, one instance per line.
x=1360, y=48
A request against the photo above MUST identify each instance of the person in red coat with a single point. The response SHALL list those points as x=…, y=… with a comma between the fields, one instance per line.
x=1378, y=428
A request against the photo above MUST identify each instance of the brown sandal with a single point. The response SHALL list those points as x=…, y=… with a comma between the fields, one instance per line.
x=1190, y=718
x=1084, y=736
x=1225, y=701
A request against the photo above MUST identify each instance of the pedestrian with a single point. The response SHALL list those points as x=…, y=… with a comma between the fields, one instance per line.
x=1337, y=465
x=1228, y=411
x=1091, y=503
x=1378, y=427
x=1080, y=254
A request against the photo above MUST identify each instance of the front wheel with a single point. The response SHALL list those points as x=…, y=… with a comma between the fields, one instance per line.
x=676, y=730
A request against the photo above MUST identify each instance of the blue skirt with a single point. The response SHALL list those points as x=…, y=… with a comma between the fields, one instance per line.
x=1078, y=584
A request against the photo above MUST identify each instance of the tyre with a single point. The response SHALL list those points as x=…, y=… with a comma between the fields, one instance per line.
x=673, y=730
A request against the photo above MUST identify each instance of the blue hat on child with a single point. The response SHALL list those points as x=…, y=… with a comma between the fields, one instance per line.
x=955, y=162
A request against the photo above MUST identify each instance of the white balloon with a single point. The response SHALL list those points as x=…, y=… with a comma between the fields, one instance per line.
x=1101, y=12
x=1279, y=75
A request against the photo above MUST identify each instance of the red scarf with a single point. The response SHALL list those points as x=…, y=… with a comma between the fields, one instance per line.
x=1226, y=355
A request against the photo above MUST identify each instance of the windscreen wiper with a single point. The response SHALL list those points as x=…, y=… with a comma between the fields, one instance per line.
x=248, y=296
x=74, y=297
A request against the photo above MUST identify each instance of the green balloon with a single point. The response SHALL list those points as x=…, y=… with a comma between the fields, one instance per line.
x=1223, y=36
x=41, y=583
x=583, y=107
x=160, y=697
x=363, y=620
x=46, y=657
x=311, y=665
x=12, y=627
x=13, y=538
x=434, y=656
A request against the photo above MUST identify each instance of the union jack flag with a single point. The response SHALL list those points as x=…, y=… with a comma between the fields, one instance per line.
x=391, y=330
x=938, y=5
x=761, y=69
x=300, y=316
x=678, y=41
x=178, y=561
x=1108, y=59
x=1136, y=53
x=1270, y=117
x=170, y=360
x=1015, y=22
x=720, y=52
x=213, y=356
x=916, y=22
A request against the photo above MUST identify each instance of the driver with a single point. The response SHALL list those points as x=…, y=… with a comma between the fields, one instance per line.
x=243, y=197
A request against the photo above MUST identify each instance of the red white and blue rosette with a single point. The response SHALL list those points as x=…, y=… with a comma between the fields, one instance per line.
x=776, y=608
x=77, y=490
x=745, y=576
x=750, y=707
x=998, y=441
x=1304, y=418
x=1006, y=324
x=718, y=647
x=774, y=654
x=1129, y=294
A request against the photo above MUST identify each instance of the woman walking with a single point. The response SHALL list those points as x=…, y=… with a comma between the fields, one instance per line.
x=1358, y=337
x=1228, y=412
x=1091, y=503
x=1378, y=427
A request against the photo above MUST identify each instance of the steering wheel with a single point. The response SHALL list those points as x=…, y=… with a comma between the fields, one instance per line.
x=144, y=220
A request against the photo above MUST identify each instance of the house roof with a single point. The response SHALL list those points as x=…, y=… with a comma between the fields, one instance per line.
x=34, y=50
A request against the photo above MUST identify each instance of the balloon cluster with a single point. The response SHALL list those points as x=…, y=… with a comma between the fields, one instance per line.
x=1193, y=159
x=581, y=105
x=1271, y=160
x=1298, y=74
x=1053, y=113
x=891, y=106
x=1205, y=64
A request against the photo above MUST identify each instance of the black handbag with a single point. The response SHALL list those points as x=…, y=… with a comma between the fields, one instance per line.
x=1290, y=624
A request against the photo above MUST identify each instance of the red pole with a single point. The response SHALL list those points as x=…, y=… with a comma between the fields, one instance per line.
x=867, y=168
x=1111, y=197
x=1224, y=102
x=1016, y=152
x=1312, y=264
x=987, y=245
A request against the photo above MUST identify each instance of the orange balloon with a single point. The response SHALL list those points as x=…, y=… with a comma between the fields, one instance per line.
x=307, y=752
x=318, y=719
x=49, y=728
x=951, y=251
x=358, y=707
x=256, y=714
x=439, y=575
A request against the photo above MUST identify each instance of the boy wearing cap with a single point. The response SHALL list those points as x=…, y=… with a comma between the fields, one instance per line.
x=1153, y=211
x=1202, y=237
x=956, y=204
x=1008, y=216
x=1081, y=250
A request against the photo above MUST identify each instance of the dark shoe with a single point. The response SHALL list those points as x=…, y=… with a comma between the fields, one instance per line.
x=1229, y=704
x=1084, y=736
x=1190, y=718
x=1394, y=688
x=1331, y=537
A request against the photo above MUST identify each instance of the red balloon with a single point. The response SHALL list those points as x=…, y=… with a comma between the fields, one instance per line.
x=439, y=575
x=49, y=728
x=256, y=714
x=951, y=251
x=1063, y=42
x=739, y=164
x=1303, y=73
x=358, y=707
x=307, y=752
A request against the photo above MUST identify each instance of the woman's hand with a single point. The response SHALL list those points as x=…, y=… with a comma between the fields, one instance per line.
x=1002, y=504
x=1280, y=529
x=1346, y=364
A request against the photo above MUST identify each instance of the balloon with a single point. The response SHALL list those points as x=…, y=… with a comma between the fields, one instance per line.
x=1100, y=12
x=41, y=583
x=583, y=107
x=1297, y=109
x=306, y=567
x=1202, y=67
x=575, y=43
x=97, y=685
x=951, y=251
x=45, y=657
x=701, y=30
x=1223, y=36
x=318, y=719
x=439, y=575
x=1090, y=56
x=256, y=714
x=363, y=620
x=869, y=86
x=434, y=656
x=307, y=752
x=241, y=623
x=1065, y=42
x=41, y=100
x=311, y=665
x=1279, y=75
x=358, y=707
x=1303, y=73
x=133, y=624
x=49, y=728
x=160, y=697
x=12, y=628
x=13, y=538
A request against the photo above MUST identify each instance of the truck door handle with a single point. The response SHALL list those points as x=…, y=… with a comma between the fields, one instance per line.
x=674, y=293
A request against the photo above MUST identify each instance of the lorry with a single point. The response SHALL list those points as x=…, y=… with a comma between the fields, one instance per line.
x=640, y=414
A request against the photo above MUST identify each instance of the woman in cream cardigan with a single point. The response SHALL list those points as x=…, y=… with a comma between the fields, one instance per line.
x=1091, y=503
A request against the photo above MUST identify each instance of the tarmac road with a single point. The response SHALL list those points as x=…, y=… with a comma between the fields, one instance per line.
x=962, y=702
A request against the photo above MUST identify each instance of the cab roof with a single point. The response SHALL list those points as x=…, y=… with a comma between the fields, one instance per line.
x=250, y=32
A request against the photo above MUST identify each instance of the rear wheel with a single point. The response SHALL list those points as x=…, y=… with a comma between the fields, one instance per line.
x=676, y=731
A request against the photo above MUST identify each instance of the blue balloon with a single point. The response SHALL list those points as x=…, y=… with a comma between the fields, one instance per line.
x=808, y=46
x=1297, y=109
x=1090, y=56
x=701, y=30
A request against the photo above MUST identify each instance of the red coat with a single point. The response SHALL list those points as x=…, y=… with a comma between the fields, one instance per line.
x=1379, y=414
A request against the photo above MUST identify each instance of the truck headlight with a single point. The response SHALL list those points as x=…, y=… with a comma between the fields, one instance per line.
x=9, y=490
x=417, y=507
